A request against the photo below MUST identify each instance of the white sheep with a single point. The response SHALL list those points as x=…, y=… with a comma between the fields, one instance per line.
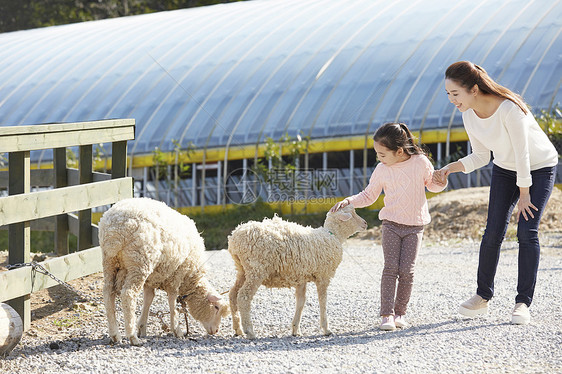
x=281, y=254
x=146, y=246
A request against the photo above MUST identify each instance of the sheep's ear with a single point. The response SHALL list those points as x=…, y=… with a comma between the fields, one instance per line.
x=225, y=310
x=344, y=216
x=213, y=299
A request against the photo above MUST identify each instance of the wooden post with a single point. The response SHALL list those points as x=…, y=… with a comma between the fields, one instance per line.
x=119, y=159
x=19, y=181
x=119, y=163
x=61, y=221
x=85, y=216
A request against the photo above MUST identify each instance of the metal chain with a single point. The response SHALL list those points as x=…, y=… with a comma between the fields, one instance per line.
x=181, y=307
x=160, y=315
x=38, y=268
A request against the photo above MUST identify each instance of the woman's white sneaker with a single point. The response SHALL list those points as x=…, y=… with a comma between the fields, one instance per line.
x=521, y=315
x=474, y=306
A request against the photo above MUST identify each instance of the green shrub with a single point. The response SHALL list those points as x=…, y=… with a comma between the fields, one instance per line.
x=216, y=227
x=41, y=241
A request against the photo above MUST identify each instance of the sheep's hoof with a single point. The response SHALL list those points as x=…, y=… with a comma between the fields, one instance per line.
x=179, y=334
x=238, y=332
x=115, y=339
x=297, y=332
x=250, y=335
x=327, y=332
x=134, y=340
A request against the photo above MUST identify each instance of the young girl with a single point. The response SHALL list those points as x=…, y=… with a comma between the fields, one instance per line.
x=497, y=120
x=403, y=173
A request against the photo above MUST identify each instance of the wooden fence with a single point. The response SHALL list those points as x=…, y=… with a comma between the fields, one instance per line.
x=74, y=190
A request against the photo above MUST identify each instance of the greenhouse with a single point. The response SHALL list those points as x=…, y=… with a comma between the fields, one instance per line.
x=216, y=90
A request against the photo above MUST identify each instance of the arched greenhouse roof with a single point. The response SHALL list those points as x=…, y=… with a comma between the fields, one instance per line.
x=236, y=73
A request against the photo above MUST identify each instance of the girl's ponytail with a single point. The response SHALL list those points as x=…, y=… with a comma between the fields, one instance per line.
x=395, y=135
x=408, y=134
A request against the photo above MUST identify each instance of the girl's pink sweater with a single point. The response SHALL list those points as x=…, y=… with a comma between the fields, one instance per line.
x=404, y=186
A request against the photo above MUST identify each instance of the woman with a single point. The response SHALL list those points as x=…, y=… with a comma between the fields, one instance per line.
x=498, y=120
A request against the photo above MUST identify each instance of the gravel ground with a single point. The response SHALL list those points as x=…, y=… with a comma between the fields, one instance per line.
x=439, y=339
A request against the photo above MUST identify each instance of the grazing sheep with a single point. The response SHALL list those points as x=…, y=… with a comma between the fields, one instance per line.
x=278, y=253
x=147, y=245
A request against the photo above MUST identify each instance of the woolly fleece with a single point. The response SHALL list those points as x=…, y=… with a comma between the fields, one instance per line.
x=146, y=244
x=281, y=254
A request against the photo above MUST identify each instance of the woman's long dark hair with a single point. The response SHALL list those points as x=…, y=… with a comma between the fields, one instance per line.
x=467, y=74
x=395, y=135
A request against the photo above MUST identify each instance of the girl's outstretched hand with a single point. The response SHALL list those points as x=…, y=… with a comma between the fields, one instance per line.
x=439, y=181
x=440, y=176
x=339, y=205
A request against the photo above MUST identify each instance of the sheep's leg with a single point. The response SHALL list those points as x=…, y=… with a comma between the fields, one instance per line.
x=131, y=289
x=245, y=296
x=109, y=301
x=148, y=296
x=322, y=288
x=174, y=324
x=233, y=297
x=300, y=295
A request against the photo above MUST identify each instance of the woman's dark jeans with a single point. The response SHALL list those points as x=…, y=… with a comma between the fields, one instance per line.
x=504, y=195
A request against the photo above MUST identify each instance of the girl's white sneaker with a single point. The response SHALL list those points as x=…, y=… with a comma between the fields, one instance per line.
x=400, y=322
x=387, y=323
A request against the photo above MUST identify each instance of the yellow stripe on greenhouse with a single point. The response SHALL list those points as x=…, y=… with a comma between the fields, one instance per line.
x=315, y=146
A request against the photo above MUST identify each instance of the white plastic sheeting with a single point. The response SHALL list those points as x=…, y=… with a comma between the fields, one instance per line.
x=237, y=73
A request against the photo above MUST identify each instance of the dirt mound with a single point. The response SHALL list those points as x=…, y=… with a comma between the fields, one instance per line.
x=461, y=214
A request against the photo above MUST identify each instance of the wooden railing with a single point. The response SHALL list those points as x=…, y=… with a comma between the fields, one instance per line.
x=74, y=190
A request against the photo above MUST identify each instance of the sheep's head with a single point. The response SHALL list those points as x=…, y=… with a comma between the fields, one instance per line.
x=211, y=315
x=345, y=222
x=205, y=305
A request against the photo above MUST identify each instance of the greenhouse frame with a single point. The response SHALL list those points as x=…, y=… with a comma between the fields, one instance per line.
x=214, y=89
